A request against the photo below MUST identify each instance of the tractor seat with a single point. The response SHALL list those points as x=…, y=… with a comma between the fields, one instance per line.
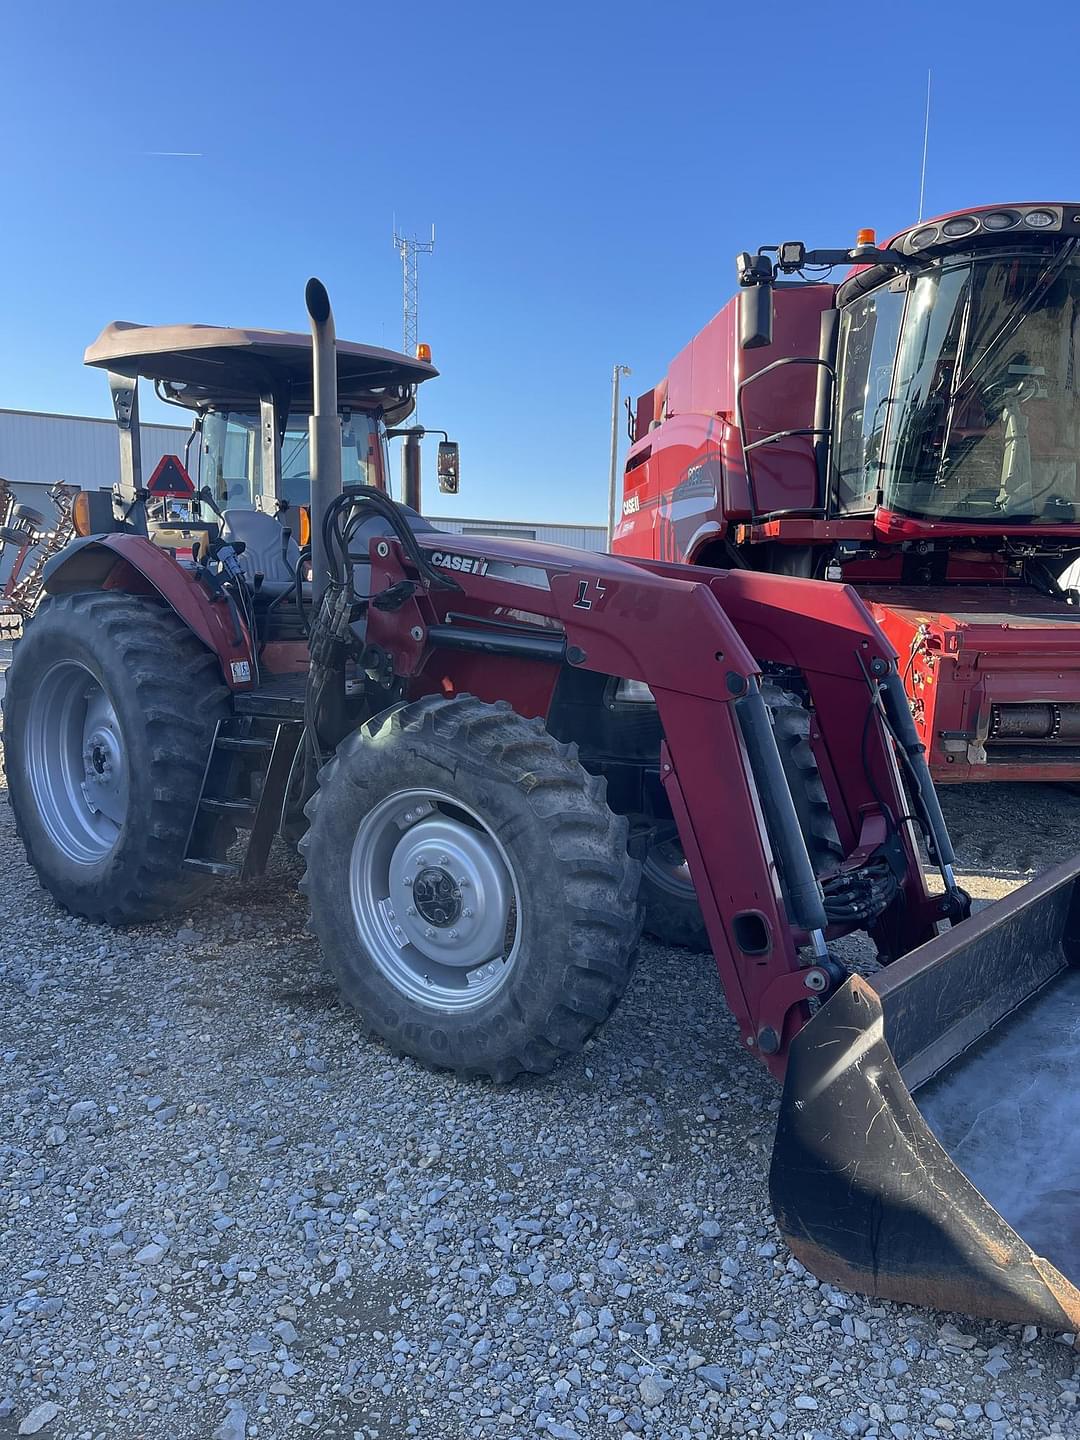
x=269, y=549
x=273, y=555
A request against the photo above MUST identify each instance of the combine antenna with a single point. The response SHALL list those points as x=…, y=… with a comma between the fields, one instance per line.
x=410, y=249
x=925, y=143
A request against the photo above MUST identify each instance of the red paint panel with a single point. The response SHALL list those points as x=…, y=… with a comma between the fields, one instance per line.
x=141, y=567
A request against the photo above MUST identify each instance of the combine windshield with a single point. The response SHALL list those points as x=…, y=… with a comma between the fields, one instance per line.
x=230, y=457
x=960, y=396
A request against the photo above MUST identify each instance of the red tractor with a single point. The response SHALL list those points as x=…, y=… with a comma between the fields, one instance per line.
x=476, y=742
x=912, y=429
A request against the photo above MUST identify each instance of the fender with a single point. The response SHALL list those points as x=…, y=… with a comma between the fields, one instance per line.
x=132, y=564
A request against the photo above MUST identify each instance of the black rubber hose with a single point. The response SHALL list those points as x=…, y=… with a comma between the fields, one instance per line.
x=898, y=715
x=366, y=495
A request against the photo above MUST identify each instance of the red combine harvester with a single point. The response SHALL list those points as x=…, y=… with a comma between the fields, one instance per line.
x=475, y=742
x=913, y=430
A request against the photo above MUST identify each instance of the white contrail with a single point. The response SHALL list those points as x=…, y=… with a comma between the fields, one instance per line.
x=187, y=154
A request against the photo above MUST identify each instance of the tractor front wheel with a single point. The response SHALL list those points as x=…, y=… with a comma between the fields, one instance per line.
x=109, y=714
x=470, y=888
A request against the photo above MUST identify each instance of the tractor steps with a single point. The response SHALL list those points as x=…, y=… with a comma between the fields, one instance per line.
x=279, y=697
x=243, y=790
x=238, y=809
x=220, y=869
x=245, y=744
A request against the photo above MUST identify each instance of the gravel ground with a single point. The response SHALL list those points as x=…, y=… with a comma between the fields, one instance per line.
x=225, y=1213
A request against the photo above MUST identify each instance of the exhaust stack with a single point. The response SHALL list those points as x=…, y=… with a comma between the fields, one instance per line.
x=324, y=429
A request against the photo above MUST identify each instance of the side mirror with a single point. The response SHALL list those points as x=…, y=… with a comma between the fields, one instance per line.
x=448, y=467
x=755, y=316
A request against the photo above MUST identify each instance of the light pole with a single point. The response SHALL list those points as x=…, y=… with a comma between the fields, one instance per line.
x=617, y=370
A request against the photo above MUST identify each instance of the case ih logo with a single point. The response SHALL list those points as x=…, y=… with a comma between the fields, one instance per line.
x=463, y=564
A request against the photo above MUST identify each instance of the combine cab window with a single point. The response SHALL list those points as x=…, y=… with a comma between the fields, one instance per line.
x=869, y=331
x=985, y=408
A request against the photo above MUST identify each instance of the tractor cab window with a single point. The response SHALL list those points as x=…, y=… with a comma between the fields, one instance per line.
x=360, y=455
x=985, y=408
x=230, y=459
x=869, y=330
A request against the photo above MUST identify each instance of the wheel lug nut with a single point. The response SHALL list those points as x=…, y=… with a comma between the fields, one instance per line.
x=411, y=910
x=407, y=882
x=453, y=934
x=467, y=914
x=444, y=859
x=430, y=933
x=463, y=880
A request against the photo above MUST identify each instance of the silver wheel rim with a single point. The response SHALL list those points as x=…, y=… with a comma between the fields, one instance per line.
x=435, y=900
x=666, y=865
x=76, y=763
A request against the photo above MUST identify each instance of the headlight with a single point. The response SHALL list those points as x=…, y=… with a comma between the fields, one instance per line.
x=1040, y=219
x=962, y=225
x=921, y=238
x=1000, y=220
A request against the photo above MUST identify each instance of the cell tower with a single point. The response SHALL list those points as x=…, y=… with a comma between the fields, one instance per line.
x=410, y=249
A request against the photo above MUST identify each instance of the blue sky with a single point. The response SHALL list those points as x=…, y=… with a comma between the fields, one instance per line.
x=591, y=169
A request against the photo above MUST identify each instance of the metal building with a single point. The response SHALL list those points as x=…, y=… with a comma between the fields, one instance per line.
x=37, y=450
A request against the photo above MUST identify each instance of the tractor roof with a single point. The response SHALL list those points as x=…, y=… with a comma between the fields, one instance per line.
x=207, y=366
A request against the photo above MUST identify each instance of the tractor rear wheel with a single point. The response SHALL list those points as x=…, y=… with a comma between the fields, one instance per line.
x=109, y=715
x=672, y=913
x=470, y=888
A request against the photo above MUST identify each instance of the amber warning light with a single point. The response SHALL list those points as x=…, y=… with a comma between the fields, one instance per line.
x=80, y=514
x=864, y=237
x=423, y=351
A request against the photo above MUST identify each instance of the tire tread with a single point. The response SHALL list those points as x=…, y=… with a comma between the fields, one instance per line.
x=593, y=869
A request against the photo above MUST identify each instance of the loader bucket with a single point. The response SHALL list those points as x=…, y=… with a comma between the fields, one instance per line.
x=928, y=1145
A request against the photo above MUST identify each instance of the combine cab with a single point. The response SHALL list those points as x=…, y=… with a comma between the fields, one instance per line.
x=478, y=744
x=913, y=430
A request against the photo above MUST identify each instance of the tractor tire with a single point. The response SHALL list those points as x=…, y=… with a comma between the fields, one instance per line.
x=791, y=727
x=109, y=715
x=471, y=890
x=672, y=913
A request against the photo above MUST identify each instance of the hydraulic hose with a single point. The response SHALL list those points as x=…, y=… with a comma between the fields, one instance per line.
x=354, y=500
x=898, y=717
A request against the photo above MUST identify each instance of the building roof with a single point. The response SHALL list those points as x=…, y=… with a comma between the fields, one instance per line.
x=225, y=368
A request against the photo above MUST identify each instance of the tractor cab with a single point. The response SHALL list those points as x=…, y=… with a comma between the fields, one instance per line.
x=250, y=396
